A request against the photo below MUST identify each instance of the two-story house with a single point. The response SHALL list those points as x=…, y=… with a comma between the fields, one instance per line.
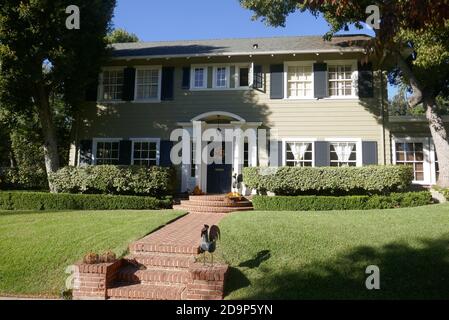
x=320, y=103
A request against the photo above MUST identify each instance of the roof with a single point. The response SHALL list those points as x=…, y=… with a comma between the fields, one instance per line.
x=233, y=47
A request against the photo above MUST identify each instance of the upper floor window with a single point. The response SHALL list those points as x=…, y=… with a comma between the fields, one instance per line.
x=107, y=152
x=112, y=85
x=299, y=154
x=340, y=80
x=146, y=152
x=343, y=154
x=221, y=77
x=299, y=81
x=148, y=83
x=199, y=78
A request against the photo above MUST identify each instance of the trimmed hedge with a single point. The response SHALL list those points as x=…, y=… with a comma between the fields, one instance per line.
x=292, y=181
x=326, y=203
x=48, y=201
x=109, y=179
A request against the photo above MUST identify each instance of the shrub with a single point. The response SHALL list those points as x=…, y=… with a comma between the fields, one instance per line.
x=290, y=181
x=328, y=203
x=109, y=179
x=49, y=201
x=24, y=178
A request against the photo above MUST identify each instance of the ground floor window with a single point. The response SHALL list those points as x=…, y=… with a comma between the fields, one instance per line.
x=412, y=154
x=107, y=152
x=246, y=155
x=193, y=165
x=343, y=154
x=299, y=154
x=145, y=152
x=437, y=167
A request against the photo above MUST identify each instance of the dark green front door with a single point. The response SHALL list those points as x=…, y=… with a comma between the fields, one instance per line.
x=219, y=178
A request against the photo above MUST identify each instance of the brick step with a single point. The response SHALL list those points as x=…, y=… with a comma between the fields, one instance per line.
x=163, y=260
x=208, y=198
x=143, y=246
x=216, y=203
x=153, y=275
x=125, y=291
x=193, y=208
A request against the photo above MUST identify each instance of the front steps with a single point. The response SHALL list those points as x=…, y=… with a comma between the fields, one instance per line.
x=213, y=204
x=161, y=266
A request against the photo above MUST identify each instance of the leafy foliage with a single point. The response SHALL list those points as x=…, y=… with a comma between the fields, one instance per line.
x=329, y=181
x=326, y=203
x=121, y=36
x=49, y=201
x=109, y=179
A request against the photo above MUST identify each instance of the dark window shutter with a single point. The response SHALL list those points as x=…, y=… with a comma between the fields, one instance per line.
x=186, y=78
x=366, y=80
x=277, y=81
x=168, y=77
x=322, y=154
x=369, y=149
x=320, y=80
x=164, y=159
x=85, y=149
x=280, y=154
x=125, y=152
x=129, y=83
x=92, y=92
x=258, y=82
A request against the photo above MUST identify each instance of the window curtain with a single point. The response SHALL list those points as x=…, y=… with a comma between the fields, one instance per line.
x=298, y=150
x=343, y=151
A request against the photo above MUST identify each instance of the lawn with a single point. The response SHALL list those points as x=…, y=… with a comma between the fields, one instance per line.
x=36, y=247
x=300, y=255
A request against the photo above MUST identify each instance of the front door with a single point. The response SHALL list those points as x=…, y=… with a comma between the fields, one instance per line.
x=219, y=175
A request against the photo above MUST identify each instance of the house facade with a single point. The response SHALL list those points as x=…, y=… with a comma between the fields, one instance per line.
x=308, y=103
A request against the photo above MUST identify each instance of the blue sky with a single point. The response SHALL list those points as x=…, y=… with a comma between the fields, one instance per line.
x=156, y=20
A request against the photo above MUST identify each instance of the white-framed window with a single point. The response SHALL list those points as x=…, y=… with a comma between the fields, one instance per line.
x=221, y=77
x=298, y=152
x=145, y=152
x=345, y=152
x=412, y=153
x=192, y=163
x=243, y=76
x=245, y=154
x=111, y=84
x=106, y=151
x=148, y=83
x=437, y=168
x=199, y=77
x=341, y=79
x=299, y=80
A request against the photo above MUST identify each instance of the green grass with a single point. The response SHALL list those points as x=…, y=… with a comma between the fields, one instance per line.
x=36, y=247
x=299, y=255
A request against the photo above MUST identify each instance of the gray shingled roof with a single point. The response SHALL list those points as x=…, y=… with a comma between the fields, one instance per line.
x=239, y=46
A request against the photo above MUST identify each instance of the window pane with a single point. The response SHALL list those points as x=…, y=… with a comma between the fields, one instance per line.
x=244, y=77
x=147, y=84
x=220, y=77
x=199, y=77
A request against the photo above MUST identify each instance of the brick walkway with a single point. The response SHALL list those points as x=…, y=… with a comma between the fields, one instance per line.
x=181, y=236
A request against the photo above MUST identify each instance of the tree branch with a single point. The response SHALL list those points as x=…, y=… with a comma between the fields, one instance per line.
x=417, y=96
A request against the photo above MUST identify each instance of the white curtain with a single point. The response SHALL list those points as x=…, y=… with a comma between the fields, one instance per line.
x=298, y=150
x=343, y=151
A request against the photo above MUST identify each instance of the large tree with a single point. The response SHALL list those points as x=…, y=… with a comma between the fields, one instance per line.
x=40, y=57
x=421, y=26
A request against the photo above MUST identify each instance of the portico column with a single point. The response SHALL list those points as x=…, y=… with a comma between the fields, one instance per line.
x=238, y=152
x=201, y=166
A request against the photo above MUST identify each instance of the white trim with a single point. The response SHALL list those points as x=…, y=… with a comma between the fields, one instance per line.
x=152, y=100
x=298, y=140
x=158, y=148
x=100, y=88
x=94, y=147
x=428, y=164
x=308, y=63
x=218, y=113
x=355, y=74
x=359, y=143
x=242, y=53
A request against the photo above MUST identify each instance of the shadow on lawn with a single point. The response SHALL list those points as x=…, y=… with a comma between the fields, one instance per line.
x=406, y=272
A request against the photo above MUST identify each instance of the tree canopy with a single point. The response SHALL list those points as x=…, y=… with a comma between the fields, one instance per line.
x=121, y=36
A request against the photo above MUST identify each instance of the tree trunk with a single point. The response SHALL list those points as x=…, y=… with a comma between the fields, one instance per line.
x=440, y=139
x=48, y=130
